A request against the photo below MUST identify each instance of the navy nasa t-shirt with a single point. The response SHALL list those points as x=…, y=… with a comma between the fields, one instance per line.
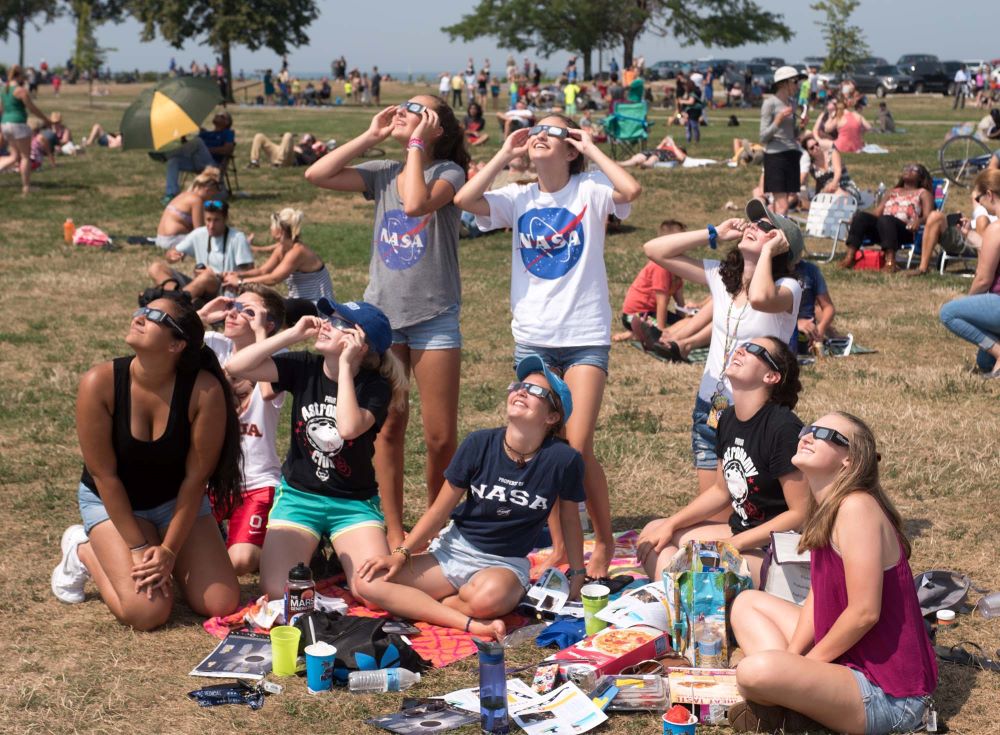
x=319, y=460
x=755, y=454
x=506, y=505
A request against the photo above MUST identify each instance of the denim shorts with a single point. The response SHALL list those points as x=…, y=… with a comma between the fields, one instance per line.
x=320, y=515
x=564, y=358
x=460, y=560
x=885, y=714
x=441, y=332
x=15, y=131
x=703, y=436
x=92, y=510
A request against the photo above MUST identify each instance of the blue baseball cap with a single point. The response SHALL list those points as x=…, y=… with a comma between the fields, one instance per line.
x=362, y=314
x=535, y=364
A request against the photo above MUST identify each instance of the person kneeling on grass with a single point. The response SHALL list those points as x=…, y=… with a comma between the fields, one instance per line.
x=340, y=399
x=855, y=657
x=511, y=478
x=217, y=248
x=155, y=429
x=253, y=316
x=756, y=440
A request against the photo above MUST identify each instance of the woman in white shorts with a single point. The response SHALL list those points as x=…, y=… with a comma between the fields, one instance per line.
x=16, y=104
x=510, y=478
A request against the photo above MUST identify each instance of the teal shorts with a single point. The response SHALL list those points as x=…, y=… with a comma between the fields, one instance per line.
x=319, y=515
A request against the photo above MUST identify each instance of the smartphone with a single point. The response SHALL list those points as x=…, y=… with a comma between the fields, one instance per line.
x=954, y=218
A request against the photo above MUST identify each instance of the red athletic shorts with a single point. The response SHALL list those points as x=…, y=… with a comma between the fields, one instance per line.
x=248, y=521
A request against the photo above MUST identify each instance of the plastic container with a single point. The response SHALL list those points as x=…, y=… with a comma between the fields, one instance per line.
x=284, y=649
x=300, y=592
x=673, y=728
x=381, y=680
x=989, y=605
x=945, y=617
x=68, y=229
x=493, y=715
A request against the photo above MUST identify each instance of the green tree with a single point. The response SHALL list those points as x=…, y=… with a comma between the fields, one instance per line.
x=275, y=24
x=845, y=43
x=88, y=55
x=16, y=15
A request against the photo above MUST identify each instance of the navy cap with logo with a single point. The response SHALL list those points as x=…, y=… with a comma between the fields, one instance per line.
x=535, y=364
x=367, y=316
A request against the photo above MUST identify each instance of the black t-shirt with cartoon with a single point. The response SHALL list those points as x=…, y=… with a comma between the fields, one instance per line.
x=754, y=455
x=506, y=505
x=319, y=460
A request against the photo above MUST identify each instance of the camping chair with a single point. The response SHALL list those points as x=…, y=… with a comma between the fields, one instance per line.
x=829, y=216
x=627, y=129
x=940, y=197
x=230, y=176
x=955, y=248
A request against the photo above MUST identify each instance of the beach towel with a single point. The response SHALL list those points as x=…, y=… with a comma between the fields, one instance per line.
x=623, y=560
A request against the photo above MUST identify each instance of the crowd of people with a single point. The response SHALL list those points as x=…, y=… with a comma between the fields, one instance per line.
x=182, y=480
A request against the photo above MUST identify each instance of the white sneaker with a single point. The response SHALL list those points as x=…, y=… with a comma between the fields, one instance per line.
x=69, y=577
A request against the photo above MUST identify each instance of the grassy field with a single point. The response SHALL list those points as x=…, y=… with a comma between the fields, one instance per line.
x=63, y=309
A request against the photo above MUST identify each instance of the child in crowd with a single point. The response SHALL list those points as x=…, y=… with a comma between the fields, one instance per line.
x=816, y=310
x=253, y=316
x=559, y=286
x=855, y=657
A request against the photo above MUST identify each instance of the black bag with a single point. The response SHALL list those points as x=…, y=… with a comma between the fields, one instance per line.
x=361, y=643
x=161, y=292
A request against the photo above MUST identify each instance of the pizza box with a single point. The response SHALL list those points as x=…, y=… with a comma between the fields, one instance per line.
x=613, y=649
x=703, y=686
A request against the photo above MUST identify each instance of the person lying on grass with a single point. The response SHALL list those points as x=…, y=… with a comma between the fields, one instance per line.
x=855, y=657
x=156, y=428
x=341, y=395
x=754, y=474
x=507, y=480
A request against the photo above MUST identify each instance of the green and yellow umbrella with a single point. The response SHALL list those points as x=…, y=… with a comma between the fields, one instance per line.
x=171, y=110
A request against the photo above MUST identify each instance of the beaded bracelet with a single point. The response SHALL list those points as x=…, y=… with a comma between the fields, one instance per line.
x=415, y=143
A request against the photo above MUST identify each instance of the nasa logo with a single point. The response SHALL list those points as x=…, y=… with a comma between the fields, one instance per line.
x=550, y=241
x=400, y=240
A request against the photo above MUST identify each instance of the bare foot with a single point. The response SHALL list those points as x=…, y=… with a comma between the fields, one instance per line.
x=621, y=337
x=597, y=565
x=556, y=558
x=492, y=630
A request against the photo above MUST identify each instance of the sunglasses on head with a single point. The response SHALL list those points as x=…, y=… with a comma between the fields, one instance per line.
x=159, y=316
x=216, y=205
x=415, y=107
x=553, y=130
x=827, y=435
x=761, y=352
x=531, y=389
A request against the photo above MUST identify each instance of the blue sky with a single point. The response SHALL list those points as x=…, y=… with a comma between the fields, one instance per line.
x=413, y=40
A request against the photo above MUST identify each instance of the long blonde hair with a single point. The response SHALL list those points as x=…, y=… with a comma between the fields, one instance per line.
x=390, y=368
x=210, y=176
x=859, y=476
x=289, y=221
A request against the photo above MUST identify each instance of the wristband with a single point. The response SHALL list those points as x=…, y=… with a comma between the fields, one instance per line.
x=140, y=547
x=713, y=237
x=575, y=573
x=415, y=143
x=404, y=551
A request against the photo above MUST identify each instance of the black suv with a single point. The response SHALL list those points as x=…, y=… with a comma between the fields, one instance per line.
x=929, y=76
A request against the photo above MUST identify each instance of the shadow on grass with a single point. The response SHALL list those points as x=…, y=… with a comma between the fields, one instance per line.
x=257, y=196
x=53, y=186
x=915, y=527
x=955, y=685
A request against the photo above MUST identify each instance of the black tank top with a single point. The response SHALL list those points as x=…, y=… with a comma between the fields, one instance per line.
x=151, y=471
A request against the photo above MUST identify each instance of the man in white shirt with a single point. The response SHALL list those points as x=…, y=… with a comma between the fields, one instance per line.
x=216, y=248
x=961, y=87
x=519, y=117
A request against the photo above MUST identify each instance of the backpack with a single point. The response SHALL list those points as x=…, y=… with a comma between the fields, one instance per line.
x=361, y=643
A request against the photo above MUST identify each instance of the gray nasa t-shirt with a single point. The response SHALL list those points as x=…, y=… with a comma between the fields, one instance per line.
x=413, y=274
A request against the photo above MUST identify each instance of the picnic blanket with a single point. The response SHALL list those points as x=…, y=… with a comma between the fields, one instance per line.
x=622, y=562
x=440, y=646
x=699, y=355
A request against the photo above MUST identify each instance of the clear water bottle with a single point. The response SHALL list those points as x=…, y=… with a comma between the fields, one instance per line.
x=493, y=717
x=880, y=192
x=382, y=680
x=989, y=605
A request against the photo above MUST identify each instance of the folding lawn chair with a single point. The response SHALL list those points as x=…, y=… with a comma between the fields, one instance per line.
x=829, y=216
x=627, y=128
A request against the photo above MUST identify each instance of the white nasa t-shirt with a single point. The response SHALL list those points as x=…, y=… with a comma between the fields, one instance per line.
x=558, y=282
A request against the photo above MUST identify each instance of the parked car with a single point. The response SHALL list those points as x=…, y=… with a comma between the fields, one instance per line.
x=664, y=70
x=882, y=80
x=763, y=73
x=771, y=61
x=930, y=76
x=871, y=62
x=718, y=66
x=909, y=61
x=816, y=61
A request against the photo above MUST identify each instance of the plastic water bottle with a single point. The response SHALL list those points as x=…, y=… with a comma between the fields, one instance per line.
x=68, y=229
x=989, y=606
x=880, y=192
x=382, y=680
x=493, y=717
x=300, y=592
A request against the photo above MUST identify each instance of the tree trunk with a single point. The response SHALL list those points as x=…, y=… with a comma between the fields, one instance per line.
x=227, y=66
x=587, y=53
x=628, y=48
x=20, y=41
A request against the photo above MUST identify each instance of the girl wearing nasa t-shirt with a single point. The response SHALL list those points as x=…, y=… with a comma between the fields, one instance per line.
x=510, y=479
x=413, y=276
x=754, y=475
x=253, y=316
x=559, y=286
x=340, y=398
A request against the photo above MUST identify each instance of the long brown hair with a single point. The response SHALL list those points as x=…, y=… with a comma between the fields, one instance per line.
x=451, y=145
x=731, y=269
x=859, y=476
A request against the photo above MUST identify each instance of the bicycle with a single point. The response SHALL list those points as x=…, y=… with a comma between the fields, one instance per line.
x=962, y=158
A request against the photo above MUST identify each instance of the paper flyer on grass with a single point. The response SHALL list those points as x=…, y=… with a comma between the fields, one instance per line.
x=239, y=656
x=644, y=605
x=563, y=711
x=468, y=699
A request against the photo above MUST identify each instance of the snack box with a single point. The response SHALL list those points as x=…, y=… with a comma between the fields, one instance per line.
x=639, y=692
x=703, y=686
x=613, y=649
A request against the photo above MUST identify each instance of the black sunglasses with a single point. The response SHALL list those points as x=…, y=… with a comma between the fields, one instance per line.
x=827, y=435
x=761, y=352
x=554, y=130
x=159, y=316
x=415, y=107
x=765, y=225
x=978, y=197
x=532, y=389
x=216, y=205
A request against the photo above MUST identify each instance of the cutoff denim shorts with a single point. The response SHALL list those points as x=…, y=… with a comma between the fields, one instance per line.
x=703, y=436
x=564, y=358
x=885, y=714
x=92, y=510
x=441, y=332
x=460, y=560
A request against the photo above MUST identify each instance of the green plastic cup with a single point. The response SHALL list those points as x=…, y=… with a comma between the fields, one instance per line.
x=284, y=649
x=595, y=599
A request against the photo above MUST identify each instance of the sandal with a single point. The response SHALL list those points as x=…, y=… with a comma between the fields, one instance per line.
x=958, y=654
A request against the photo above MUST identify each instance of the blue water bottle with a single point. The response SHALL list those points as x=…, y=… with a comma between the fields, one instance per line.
x=493, y=717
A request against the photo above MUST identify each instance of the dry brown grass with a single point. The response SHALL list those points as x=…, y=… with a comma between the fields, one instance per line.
x=73, y=669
